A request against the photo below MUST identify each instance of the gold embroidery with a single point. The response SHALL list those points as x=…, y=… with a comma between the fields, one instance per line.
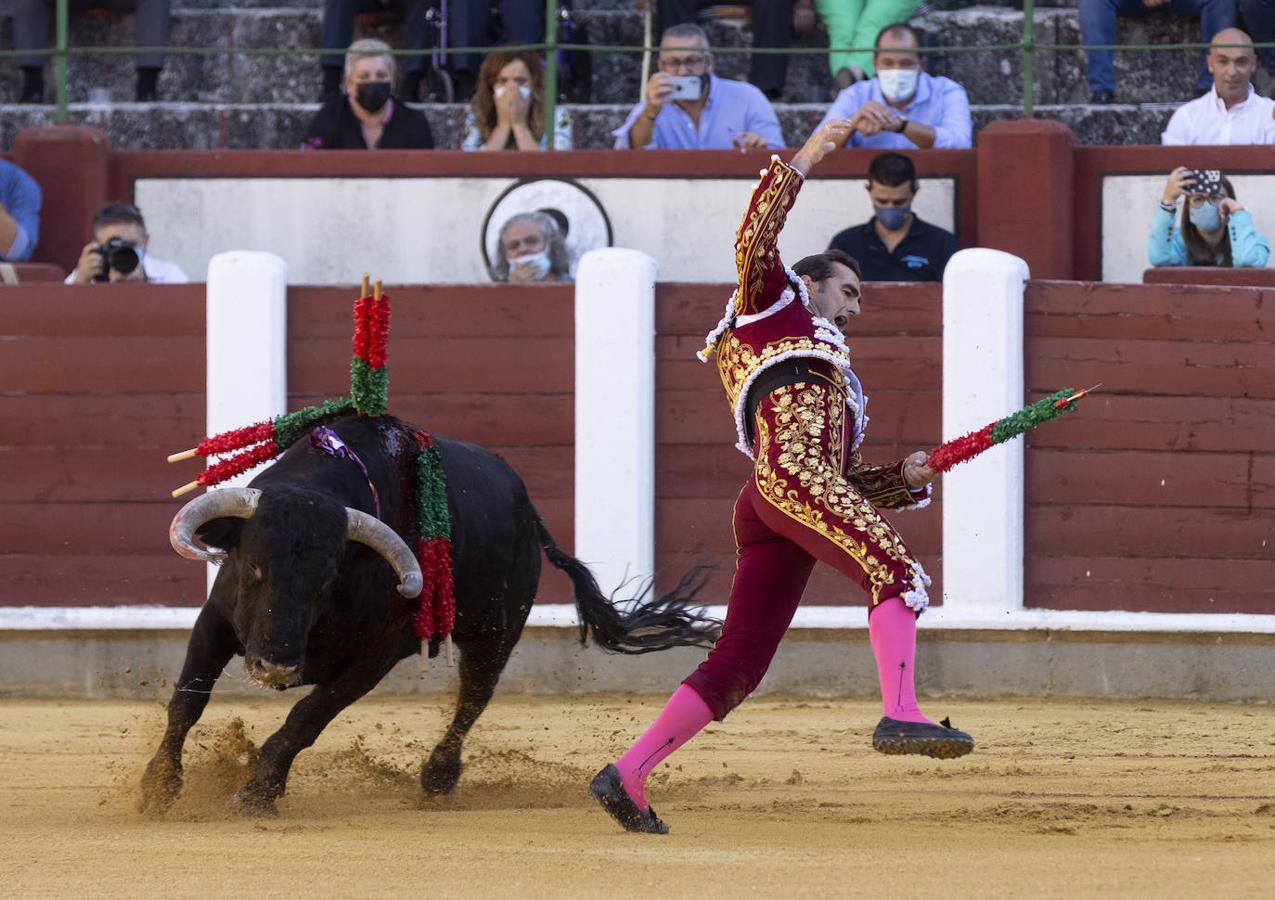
x=882, y=486
x=756, y=241
x=798, y=471
x=737, y=360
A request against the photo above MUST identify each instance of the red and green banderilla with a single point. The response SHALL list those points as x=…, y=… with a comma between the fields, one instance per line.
x=968, y=446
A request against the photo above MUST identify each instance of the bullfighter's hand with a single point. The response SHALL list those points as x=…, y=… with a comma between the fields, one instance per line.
x=828, y=137
x=915, y=471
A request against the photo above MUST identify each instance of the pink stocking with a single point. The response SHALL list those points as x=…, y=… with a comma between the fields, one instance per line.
x=683, y=717
x=892, y=632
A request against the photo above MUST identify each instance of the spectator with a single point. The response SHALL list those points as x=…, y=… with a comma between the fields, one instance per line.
x=338, y=31
x=19, y=213
x=903, y=107
x=1098, y=26
x=895, y=245
x=1215, y=230
x=1259, y=18
x=531, y=248
x=726, y=114
x=770, y=23
x=855, y=23
x=1231, y=112
x=508, y=108
x=522, y=21
x=31, y=32
x=118, y=251
x=367, y=117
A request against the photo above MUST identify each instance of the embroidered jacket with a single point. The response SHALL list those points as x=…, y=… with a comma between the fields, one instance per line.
x=764, y=325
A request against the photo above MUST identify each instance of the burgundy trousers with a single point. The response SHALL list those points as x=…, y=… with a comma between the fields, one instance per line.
x=797, y=508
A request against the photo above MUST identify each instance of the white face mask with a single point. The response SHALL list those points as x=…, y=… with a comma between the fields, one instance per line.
x=897, y=84
x=539, y=261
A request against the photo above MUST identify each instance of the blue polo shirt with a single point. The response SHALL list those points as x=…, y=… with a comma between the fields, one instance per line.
x=732, y=107
x=922, y=255
x=940, y=103
x=20, y=196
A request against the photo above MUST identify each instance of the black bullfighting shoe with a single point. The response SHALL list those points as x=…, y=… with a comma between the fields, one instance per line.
x=608, y=790
x=939, y=741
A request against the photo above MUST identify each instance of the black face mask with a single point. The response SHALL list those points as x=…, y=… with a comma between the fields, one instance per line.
x=372, y=95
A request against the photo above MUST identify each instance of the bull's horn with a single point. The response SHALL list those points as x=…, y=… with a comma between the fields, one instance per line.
x=237, y=503
x=372, y=532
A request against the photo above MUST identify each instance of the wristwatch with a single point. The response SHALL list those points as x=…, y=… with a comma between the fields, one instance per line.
x=903, y=124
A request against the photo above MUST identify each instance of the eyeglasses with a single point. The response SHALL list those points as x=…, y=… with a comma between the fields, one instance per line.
x=686, y=63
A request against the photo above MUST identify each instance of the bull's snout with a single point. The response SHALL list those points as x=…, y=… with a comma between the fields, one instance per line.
x=273, y=675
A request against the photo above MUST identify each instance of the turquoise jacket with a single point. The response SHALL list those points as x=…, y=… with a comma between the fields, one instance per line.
x=1165, y=247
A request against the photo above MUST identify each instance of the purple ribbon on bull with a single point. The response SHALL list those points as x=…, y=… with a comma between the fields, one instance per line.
x=328, y=441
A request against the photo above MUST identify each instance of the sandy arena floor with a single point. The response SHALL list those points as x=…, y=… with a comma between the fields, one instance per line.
x=1060, y=799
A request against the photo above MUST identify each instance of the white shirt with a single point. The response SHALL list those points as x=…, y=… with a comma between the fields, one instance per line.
x=1206, y=120
x=158, y=271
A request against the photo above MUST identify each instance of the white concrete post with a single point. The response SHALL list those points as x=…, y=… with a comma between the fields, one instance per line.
x=982, y=382
x=246, y=341
x=615, y=415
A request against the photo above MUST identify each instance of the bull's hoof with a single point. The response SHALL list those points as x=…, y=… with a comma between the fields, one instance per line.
x=441, y=772
x=252, y=804
x=161, y=785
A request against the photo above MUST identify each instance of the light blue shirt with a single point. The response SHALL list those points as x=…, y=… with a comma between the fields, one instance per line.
x=940, y=103
x=732, y=107
x=21, y=197
x=1165, y=246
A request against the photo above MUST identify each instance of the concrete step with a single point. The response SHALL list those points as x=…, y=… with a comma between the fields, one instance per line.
x=992, y=77
x=209, y=126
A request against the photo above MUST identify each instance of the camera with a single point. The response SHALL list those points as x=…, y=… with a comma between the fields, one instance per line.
x=117, y=254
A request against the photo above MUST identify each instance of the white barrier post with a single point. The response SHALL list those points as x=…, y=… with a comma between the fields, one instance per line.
x=615, y=414
x=246, y=340
x=982, y=382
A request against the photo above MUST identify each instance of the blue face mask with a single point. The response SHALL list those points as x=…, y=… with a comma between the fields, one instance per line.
x=893, y=217
x=1205, y=217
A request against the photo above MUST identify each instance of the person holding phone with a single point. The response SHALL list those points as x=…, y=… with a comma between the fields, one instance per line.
x=687, y=107
x=1215, y=229
x=507, y=111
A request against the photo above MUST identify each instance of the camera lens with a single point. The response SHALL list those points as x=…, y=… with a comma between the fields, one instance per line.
x=123, y=260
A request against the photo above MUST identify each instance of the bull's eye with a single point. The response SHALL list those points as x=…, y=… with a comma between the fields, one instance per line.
x=255, y=571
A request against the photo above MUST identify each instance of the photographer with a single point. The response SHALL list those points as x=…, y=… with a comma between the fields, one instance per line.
x=118, y=251
x=705, y=112
x=1215, y=230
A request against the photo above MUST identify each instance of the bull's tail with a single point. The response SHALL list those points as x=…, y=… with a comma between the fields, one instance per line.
x=633, y=626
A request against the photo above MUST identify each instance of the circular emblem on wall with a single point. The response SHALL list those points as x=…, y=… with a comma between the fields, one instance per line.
x=580, y=217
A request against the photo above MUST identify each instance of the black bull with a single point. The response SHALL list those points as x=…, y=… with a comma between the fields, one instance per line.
x=305, y=602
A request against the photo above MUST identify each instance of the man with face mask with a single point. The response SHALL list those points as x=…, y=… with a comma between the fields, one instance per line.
x=531, y=249
x=367, y=116
x=903, y=107
x=895, y=244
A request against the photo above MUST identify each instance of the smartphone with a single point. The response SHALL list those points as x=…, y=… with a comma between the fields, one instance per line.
x=1206, y=181
x=686, y=87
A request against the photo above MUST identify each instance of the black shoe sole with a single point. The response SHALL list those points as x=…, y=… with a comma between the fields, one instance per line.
x=937, y=748
x=608, y=791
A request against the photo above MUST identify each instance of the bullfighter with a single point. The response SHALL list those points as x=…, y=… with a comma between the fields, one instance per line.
x=800, y=415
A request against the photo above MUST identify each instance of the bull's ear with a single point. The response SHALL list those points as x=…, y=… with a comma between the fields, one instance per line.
x=221, y=533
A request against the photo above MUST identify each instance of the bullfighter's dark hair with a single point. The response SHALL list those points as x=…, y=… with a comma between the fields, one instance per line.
x=819, y=266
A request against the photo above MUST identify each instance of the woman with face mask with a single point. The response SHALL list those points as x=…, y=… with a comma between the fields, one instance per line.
x=1215, y=229
x=507, y=111
x=531, y=249
x=367, y=116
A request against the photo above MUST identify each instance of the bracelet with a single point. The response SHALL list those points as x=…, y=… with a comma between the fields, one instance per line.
x=1168, y=207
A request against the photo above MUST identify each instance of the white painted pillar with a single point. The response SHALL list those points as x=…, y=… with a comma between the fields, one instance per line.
x=246, y=343
x=982, y=382
x=615, y=415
